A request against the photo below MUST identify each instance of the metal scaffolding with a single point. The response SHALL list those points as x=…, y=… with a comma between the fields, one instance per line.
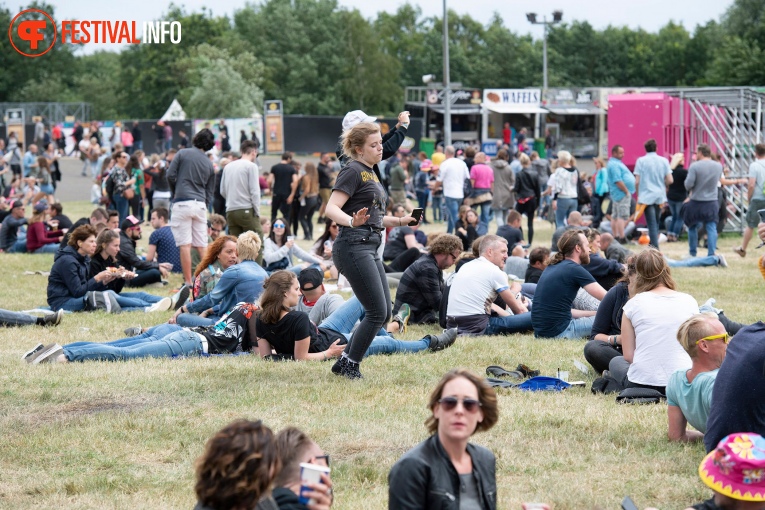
x=729, y=120
x=52, y=112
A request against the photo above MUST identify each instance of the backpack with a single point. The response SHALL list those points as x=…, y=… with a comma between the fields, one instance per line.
x=582, y=197
x=109, y=186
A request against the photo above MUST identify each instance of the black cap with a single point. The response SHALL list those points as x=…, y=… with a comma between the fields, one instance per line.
x=17, y=203
x=129, y=222
x=310, y=276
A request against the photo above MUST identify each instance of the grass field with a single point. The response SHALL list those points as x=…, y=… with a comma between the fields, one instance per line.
x=126, y=435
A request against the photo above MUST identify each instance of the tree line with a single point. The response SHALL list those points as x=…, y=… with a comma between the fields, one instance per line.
x=322, y=59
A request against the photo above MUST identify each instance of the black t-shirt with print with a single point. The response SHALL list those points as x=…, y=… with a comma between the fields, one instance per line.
x=363, y=188
x=293, y=327
x=283, y=173
x=231, y=332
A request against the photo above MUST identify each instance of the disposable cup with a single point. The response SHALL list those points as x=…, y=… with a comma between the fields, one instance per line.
x=310, y=473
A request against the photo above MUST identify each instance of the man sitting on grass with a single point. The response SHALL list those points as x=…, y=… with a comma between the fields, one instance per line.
x=422, y=284
x=689, y=393
x=552, y=314
x=475, y=288
x=537, y=262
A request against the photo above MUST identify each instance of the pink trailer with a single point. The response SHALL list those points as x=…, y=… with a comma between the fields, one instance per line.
x=634, y=118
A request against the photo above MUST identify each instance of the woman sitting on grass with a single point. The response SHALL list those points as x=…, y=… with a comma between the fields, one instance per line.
x=446, y=470
x=69, y=282
x=651, y=352
x=291, y=334
x=278, y=251
x=219, y=256
x=468, y=228
x=39, y=238
x=240, y=283
x=323, y=246
x=104, y=259
x=232, y=333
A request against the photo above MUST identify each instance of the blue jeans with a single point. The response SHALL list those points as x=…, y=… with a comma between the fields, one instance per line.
x=48, y=248
x=452, y=212
x=178, y=343
x=500, y=215
x=355, y=254
x=190, y=320
x=508, y=325
x=652, y=214
x=438, y=211
x=344, y=318
x=121, y=205
x=138, y=301
x=676, y=227
x=74, y=304
x=710, y=260
x=565, y=206
x=20, y=246
x=9, y=318
x=578, y=328
x=296, y=269
x=693, y=237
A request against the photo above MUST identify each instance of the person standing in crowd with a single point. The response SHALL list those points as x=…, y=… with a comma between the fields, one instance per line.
x=676, y=195
x=126, y=137
x=309, y=199
x=446, y=470
x=621, y=186
x=168, y=137
x=451, y=176
x=398, y=179
x=240, y=187
x=755, y=193
x=122, y=184
x=600, y=191
x=137, y=137
x=503, y=197
x=358, y=201
x=652, y=176
x=527, y=194
x=482, y=180
x=565, y=192
x=192, y=176
x=160, y=189
x=159, y=133
x=701, y=210
x=422, y=188
x=325, y=183
x=280, y=179
x=225, y=140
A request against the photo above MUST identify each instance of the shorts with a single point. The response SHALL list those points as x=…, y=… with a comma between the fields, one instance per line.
x=621, y=208
x=188, y=222
x=752, y=218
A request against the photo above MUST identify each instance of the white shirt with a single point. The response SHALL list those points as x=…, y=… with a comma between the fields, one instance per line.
x=475, y=288
x=453, y=173
x=656, y=319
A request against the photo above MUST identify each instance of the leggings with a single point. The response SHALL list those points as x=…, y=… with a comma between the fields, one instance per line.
x=528, y=209
x=306, y=215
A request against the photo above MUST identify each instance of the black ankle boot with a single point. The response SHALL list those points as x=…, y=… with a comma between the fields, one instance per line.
x=351, y=370
x=340, y=365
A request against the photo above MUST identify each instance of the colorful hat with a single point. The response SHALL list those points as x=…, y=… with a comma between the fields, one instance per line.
x=426, y=165
x=736, y=468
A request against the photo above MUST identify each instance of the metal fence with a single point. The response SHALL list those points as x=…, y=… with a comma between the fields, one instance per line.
x=52, y=112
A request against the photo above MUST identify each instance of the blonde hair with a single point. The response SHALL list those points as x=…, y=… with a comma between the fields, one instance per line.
x=248, y=246
x=356, y=137
x=677, y=159
x=694, y=329
x=524, y=159
x=564, y=157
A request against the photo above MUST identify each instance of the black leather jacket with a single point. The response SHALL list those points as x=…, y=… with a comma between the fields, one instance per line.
x=424, y=478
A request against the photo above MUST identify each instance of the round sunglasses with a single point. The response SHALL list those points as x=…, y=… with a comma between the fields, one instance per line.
x=468, y=404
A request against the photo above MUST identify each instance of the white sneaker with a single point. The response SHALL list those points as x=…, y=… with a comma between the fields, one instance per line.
x=48, y=354
x=29, y=355
x=161, y=306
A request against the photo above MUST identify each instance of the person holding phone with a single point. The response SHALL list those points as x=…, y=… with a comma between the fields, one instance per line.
x=357, y=204
x=446, y=470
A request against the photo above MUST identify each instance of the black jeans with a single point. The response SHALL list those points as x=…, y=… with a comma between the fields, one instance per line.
x=599, y=354
x=145, y=277
x=403, y=261
x=306, y=215
x=355, y=256
x=279, y=205
x=528, y=209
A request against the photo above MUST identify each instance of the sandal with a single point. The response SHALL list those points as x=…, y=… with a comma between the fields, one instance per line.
x=526, y=371
x=497, y=371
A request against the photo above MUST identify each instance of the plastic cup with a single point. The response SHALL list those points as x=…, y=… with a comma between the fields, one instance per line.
x=310, y=473
x=290, y=238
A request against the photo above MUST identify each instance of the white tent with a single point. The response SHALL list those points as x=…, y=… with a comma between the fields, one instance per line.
x=175, y=112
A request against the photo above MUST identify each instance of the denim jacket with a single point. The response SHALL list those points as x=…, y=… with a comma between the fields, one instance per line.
x=241, y=282
x=425, y=478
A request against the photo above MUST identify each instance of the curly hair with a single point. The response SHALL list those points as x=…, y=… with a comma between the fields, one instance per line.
x=81, y=234
x=248, y=245
x=486, y=397
x=212, y=252
x=444, y=244
x=237, y=466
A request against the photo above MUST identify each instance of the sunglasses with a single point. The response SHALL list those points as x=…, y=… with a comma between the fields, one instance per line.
x=325, y=457
x=724, y=336
x=333, y=226
x=450, y=403
x=278, y=225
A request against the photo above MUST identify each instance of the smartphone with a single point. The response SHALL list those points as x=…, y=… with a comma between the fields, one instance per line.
x=417, y=215
x=628, y=504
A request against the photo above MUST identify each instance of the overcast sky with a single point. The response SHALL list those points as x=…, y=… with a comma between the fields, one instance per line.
x=648, y=14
